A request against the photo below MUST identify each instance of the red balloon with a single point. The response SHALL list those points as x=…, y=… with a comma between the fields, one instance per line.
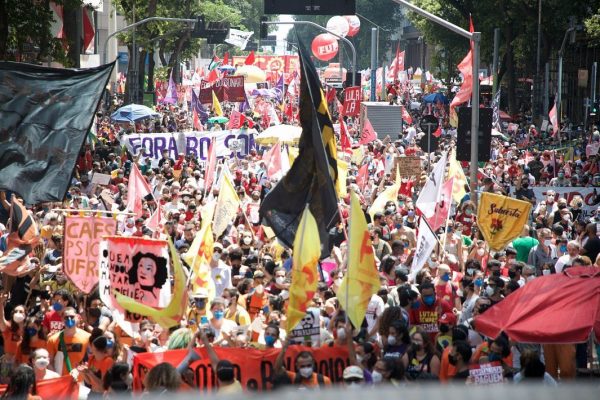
x=354, y=23
x=324, y=46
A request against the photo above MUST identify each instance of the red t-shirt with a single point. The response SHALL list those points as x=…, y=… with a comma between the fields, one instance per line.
x=426, y=317
x=466, y=221
x=445, y=293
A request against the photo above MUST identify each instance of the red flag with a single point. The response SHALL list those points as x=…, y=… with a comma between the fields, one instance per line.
x=272, y=159
x=362, y=176
x=153, y=223
x=438, y=131
x=213, y=76
x=137, y=189
x=368, y=133
x=466, y=69
x=197, y=124
x=235, y=120
x=406, y=117
x=340, y=107
x=211, y=166
x=345, y=141
x=554, y=120
x=406, y=188
x=250, y=59
x=330, y=95
x=442, y=209
x=289, y=111
x=226, y=58
x=397, y=62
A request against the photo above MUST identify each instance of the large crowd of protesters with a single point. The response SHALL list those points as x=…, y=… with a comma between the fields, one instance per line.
x=395, y=345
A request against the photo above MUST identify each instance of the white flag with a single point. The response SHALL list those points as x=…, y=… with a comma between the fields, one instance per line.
x=425, y=244
x=238, y=38
x=431, y=192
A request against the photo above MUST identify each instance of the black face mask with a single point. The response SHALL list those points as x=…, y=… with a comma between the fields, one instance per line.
x=94, y=312
x=496, y=273
x=444, y=328
x=525, y=184
x=512, y=274
x=451, y=359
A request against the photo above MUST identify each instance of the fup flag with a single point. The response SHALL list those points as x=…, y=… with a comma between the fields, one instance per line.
x=501, y=219
x=368, y=133
x=45, y=116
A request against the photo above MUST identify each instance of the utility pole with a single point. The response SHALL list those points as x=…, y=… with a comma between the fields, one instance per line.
x=495, y=61
x=374, y=64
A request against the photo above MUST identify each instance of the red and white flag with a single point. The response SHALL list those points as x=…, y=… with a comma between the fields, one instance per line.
x=137, y=189
x=368, y=133
x=235, y=120
x=398, y=64
x=362, y=176
x=345, y=142
x=431, y=192
x=272, y=159
x=211, y=166
x=554, y=121
x=406, y=117
x=153, y=223
x=196, y=120
x=442, y=209
x=466, y=69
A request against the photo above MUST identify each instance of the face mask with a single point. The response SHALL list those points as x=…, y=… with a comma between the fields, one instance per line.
x=57, y=306
x=548, y=242
x=391, y=340
x=390, y=209
x=200, y=303
x=31, y=332
x=470, y=271
x=512, y=274
x=70, y=322
x=444, y=328
x=247, y=240
x=359, y=359
x=94, y=312
x=146, y=336
x=341, y=333
x=563, y=248
x=530, y=278
x=270, y=340
x=468, y=212
x=216, y=257
x=41, y=363
x=494, y=357
x=401, y=204
x=398, y=226
x=451, y=359
x=377, y=377
x=429, y=300
x=338, y=282
x=480, y=252
x=306, y=372
x=566, y=217
x=489, y=291
x=18, y=318
x=411, y=213
x=280, y=280
x=546, y=272
x=445, y=277
x=218, y=315
x=479, y=282
x=433, y=264
x=550, y=199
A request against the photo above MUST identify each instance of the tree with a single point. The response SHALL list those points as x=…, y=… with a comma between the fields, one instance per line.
x=592, y=27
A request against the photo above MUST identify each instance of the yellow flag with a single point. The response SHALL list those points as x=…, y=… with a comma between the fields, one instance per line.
x=501, y=219
x=216, y=105
x=342, y=167
x=460, y=180
x=389, y=194
x=173, y=312
x=227, y=207
x=307, y=249
x=293, y=154
x=361, y=280
x=357, y=155
x=198, y=257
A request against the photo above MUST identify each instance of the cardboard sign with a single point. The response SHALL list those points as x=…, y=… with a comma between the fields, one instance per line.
x=230, y=88
x=135, y=267
x=252, y=368
x=409, y=166
x=486, y=374
x=82, y=239
x=308, y=331
x=352, y=98
x=101, y=179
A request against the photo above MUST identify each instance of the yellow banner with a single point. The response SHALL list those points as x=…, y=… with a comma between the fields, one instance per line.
x=501, y=219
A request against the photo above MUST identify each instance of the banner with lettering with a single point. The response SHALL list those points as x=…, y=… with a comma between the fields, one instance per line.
x=230, y=88
x=63, y=388
x=501, y=219
x=253, y=368
x=486, y=374
x=229, y=144
x=82, y=238
x=587, y=195
x=272, y=63
x=352, y=99
x=137, y=268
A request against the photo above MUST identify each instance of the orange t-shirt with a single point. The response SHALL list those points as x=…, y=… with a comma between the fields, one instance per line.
x=123, y=338
x=483, y=350
x=100, y=367
x=257, y=303
x=313, y=381
x=77, y=346
x=447, y=370
x=12, y=341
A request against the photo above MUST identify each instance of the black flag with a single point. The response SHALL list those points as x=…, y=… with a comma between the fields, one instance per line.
x=45, y=115
x=313, y=177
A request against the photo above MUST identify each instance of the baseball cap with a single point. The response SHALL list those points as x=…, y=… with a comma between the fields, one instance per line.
x=200, y=293
x=447, y=318
x=353, y=371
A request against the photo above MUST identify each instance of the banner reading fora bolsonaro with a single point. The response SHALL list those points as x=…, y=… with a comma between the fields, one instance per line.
x=501, y=218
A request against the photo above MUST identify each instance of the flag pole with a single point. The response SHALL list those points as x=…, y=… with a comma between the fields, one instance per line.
x=93, y=211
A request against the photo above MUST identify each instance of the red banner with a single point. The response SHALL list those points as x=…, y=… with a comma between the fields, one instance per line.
x=253, y=368
x=230, y=88
x=59, y=388
x=352, y=98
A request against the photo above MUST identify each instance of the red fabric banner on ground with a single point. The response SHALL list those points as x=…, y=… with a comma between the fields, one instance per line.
x=63, y=388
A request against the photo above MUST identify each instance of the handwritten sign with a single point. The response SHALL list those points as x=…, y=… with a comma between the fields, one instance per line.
x=409, y=166
x=82, y=238
x=101, y=179
x=352, y=97
x=486, y=374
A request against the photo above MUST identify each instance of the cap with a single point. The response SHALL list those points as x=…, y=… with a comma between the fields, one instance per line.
x=353, y=371
x=258, y=274
x=447, y=318
x=200, y=293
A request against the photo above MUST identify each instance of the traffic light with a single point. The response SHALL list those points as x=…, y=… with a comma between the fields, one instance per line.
x=264, y=28
x=199, y=27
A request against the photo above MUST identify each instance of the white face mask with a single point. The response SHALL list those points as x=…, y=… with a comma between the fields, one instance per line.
x=470, y=271
x=480, y=252
x=280, y=280
x=341, y=333
x=489, y=291
x=546, y=272
x=530, y=278
x=377, y=377
x=18, y=318
x=306, y=372
x=247, y=240
x=359, y=359
x=146, y=336
x=391, y=340
x=41, y=363
x=216, y=256
x=547, y=242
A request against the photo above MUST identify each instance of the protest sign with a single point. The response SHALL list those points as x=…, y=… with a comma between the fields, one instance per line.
x=253, y=368
x=152, y=145
x=137, y=268
x=352, y=98
x=309, y=329
x=587, y=194
x=230, y=88
x=409, y=166
x=82, y=238
x=100, y=179
x=486, y=374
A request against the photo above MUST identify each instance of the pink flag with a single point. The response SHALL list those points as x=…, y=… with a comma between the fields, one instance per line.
x=554, y=121
x=466, y=69
x=442, y=209
x=171, y=96
x=153, y=222
x=368, y=133
x=137, y=189
x=273, y=160
x=235, y=120
x=211, y=166
x=362, y=176
x=345, y=141
x=406, y=117
x=197, y=124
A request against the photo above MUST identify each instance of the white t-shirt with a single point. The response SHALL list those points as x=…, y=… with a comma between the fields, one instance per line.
x=374, y=310
x=221, y=276
x=562, y=262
